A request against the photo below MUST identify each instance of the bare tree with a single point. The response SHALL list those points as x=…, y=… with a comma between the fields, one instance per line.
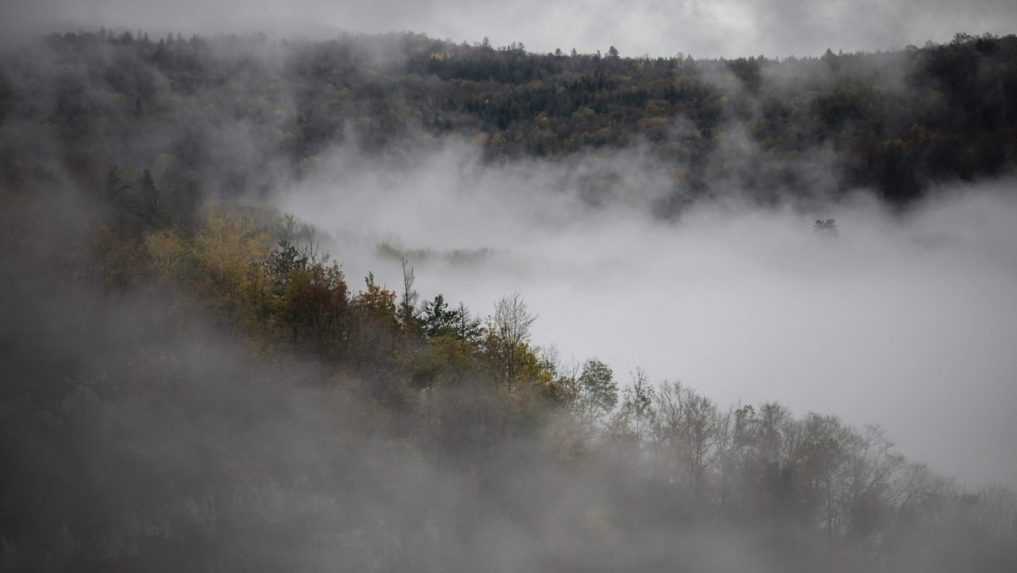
x=408, y=304
x=512, y=320
x=686, y=427
x=510, y=329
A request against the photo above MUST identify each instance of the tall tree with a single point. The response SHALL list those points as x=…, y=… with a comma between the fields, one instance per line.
x=598, y=392
x=508, y=335
x=408, y=300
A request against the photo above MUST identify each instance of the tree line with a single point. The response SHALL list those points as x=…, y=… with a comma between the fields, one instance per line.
x=895, y=122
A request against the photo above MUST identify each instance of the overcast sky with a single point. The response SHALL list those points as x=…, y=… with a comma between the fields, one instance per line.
x=636, y=27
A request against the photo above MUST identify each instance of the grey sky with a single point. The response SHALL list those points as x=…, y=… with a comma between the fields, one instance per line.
x=655, y=27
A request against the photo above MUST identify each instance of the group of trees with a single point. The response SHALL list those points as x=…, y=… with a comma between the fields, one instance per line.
x=467, y=389
x=894, y=121
x=261, y=272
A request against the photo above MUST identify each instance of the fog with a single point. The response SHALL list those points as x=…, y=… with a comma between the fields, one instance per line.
x=902, y=320
x=704, y=29
x=139, y=435
x=185, y=390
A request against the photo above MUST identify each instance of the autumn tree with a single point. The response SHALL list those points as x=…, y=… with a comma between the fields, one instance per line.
x=633, y=421
x=508, y=333
x=597, y=391
x=685, y=428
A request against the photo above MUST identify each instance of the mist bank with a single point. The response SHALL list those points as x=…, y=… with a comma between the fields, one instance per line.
x=201, y=398
x=903, y=321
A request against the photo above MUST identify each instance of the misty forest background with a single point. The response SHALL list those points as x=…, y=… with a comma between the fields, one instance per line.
x=190, y=383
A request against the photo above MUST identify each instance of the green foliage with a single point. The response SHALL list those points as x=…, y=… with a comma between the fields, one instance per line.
x=439, y=320
x=598, y=392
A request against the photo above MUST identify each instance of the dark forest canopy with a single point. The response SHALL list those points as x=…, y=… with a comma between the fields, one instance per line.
x=190, y=385
x=893, y=122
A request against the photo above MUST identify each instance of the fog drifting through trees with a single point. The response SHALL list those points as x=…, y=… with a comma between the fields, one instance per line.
x=905, y=322
x=391, y=303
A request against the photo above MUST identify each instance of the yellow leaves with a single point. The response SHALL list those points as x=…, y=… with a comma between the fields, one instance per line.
x=377, y=301
x=531, y=368
x=229, y=245
x=224, y=260
x=167, y=252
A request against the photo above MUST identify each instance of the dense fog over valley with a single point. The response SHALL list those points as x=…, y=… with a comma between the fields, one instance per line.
x=901, y=321
x=345, y=286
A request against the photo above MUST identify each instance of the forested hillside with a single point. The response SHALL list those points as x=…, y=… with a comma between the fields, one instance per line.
x=893, y=122
x=191, y=384
x=220, y=398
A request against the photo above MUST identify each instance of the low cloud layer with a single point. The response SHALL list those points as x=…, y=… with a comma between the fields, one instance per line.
x=724, y=28
x=907, y=322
